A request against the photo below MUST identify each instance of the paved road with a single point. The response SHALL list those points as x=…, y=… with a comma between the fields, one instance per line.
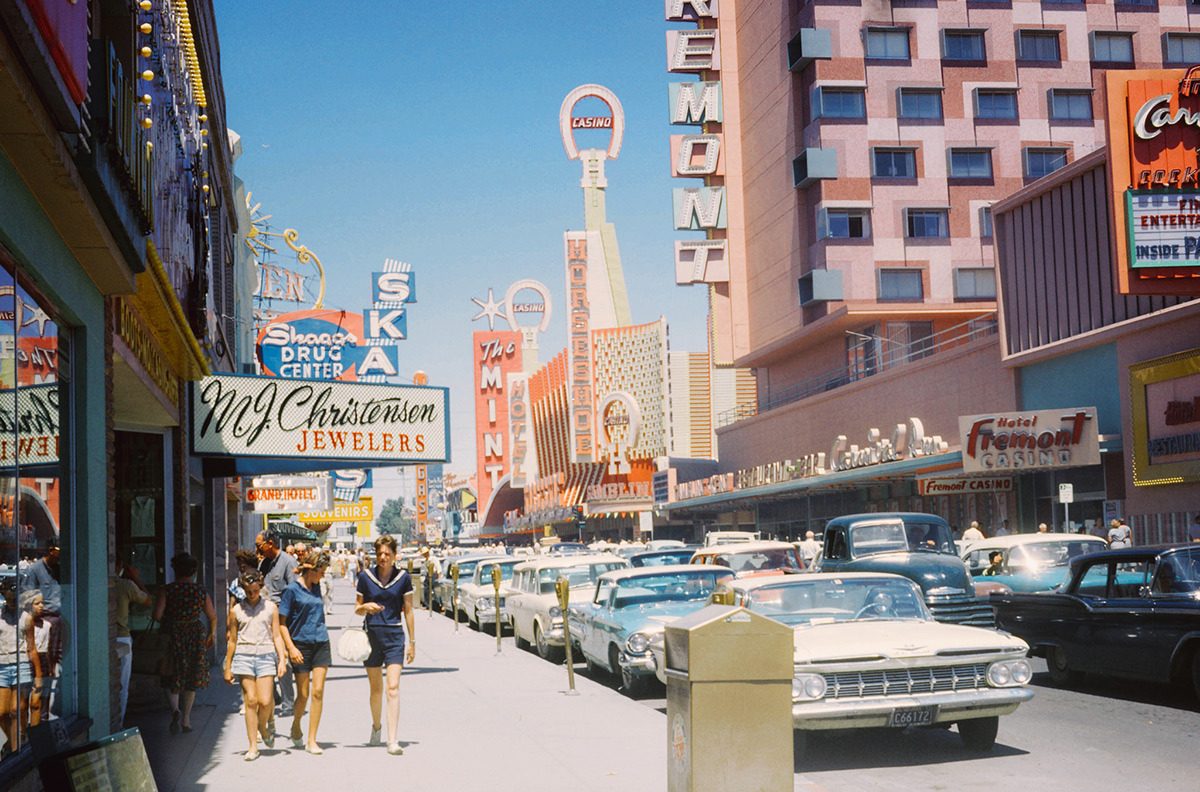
x=474, y=720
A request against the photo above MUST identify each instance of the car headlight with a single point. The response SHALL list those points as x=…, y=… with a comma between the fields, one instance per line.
x=555, y=612
x=484, y=603
x=1009, y=673
x=637, y=643
x=808, y=687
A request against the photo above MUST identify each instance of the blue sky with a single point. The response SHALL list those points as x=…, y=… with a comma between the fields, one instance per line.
x=428, y=132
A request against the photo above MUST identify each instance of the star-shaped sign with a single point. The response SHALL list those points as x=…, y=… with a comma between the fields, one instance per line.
x=39, y=318
x=491, y=309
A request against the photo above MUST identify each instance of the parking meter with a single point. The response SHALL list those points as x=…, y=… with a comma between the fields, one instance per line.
x=454, y=594
x=496, y=599
x=429, y=567
x=563, y=589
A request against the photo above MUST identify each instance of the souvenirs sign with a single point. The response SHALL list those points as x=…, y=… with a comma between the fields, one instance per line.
x=243, y=416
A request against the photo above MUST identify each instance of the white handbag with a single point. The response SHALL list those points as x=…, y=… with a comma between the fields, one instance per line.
x=354, y=646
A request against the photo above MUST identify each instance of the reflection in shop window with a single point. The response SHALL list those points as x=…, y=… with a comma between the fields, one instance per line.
x=37, y=669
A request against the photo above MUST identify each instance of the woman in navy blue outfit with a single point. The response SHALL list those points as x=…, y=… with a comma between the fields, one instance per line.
x=385, y=593
x=302, y=625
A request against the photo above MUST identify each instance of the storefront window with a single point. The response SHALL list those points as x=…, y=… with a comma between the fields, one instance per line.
x=37, y=667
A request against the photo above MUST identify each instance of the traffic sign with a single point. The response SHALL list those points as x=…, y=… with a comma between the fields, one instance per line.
x=1066, y=493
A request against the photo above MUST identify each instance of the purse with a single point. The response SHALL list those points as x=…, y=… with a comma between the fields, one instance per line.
x=354, y=646
x=152, y=652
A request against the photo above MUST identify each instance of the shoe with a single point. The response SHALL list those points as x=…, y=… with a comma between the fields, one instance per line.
x=268, y=739
x=174, y=727
x=187, y=729
x=376, y=736
x=285, y=712
x=251, y=756
x=394, y=749
x=315, y=750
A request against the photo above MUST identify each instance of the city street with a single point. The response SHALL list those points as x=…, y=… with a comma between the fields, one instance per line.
x=471, y=719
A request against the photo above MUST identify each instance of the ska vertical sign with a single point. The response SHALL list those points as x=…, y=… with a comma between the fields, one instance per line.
x=1154, y=169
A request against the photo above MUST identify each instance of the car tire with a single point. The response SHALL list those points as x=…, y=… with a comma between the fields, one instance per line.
x=979, y=734
x=545, y=650
x=614, y=663
x=1056, y=663
x=799, y=747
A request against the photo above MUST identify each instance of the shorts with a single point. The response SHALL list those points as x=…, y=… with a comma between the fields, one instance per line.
x=387, y=646
x=9, y=675
x=316, y=655
x=254, y=665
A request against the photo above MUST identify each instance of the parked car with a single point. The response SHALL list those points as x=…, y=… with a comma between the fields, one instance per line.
x=567, y=548
x=1030, y=562
x=477, y=596
x=918, y=546
x=868, y=653
x=664, y=544
x=665, y=557
x=1132, y=613
x=444, y=587
x=533, y=603
x=748, y=559
x=613, y=629
x=730, y=537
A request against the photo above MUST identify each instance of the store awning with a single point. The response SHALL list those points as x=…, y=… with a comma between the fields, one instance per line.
x=950, y=462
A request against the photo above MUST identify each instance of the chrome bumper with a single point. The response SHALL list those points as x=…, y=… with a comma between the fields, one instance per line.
x=638, y=665
x=876, y=712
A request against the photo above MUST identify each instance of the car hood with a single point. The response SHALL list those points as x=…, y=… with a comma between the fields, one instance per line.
x=930, y=571
x=655, y=615
x=864, y=641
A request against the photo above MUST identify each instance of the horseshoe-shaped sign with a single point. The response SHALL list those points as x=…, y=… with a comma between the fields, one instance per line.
x=567, y=124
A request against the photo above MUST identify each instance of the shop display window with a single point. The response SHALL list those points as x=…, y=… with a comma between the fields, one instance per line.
x=37, y=621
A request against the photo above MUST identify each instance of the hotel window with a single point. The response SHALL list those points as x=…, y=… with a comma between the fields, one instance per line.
x=1038, y=45
x=886, y=43
x=963, y=45
x=974, y=283
x=1112, y=47
x=1068, y=105
x=970, y=164
x=996, y=103
x=921, y=103
x=901, y=284
x=845, y=223
x=1041, y=162
x=985, y=222
x=927, y=223
x=894, y=163
x=1182, y=49
x=841, y=103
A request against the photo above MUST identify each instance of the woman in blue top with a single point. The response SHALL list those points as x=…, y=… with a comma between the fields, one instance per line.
x=384, y=594
x=302, y=624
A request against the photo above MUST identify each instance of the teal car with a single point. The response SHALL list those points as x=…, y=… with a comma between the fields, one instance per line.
x=627, y=611
x=1029, y=562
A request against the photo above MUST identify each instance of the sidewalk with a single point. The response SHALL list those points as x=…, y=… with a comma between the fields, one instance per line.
x=469, y=719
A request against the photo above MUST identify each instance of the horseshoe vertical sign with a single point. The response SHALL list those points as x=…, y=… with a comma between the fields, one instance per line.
x=614, y=122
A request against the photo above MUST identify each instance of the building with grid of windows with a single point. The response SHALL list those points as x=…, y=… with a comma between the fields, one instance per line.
x=873, y=140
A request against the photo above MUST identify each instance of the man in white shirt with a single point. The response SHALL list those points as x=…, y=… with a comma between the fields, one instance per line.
x=973, y=532
x=809, y=549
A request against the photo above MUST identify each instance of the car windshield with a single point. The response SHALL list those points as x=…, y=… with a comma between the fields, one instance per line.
x=801, y=601
x=1178, y=573
x=1037, y=555
x=669, y=587
x=466, y=569
x=665, y=558
x=506, y=570
x=885, y=536
x=578, y=575
x=761, y=560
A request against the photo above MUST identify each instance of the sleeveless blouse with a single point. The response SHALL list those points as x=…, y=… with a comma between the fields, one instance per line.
x=254, y=626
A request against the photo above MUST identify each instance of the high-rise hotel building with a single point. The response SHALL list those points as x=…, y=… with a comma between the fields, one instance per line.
x=862, y=146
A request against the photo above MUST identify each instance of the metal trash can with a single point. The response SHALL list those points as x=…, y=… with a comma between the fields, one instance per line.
x=729, y=702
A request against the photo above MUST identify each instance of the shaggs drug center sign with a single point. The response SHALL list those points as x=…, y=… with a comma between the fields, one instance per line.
x=238, y=416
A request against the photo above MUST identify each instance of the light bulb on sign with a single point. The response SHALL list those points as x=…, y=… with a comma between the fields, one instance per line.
x=146, y=28
x=145, y=5
x=147, y=52
x=146, y=99
x=147, y=75
x=147, y=123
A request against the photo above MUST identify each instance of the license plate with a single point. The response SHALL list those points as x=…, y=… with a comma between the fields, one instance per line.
x=912, y=716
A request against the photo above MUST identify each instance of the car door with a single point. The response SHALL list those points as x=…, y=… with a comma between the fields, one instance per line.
x=514, y=601
x=1120, y=621
x=1176, y=612
x=836, y=552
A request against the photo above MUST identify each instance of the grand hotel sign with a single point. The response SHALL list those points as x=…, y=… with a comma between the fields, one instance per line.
x=1154, y=170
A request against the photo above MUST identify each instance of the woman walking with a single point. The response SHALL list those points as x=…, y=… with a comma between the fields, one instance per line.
x=302, y=624
x=255, y=656
x=20, y=667
x=178, y=607
x=384, y=594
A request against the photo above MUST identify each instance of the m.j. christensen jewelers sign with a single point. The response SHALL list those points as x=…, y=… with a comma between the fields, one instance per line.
x=272, y=417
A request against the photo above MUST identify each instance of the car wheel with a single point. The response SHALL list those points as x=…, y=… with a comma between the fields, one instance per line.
x=979, y=734
x=799, y=747
x=1060, y=672
x=614, y=664
x=547, y=652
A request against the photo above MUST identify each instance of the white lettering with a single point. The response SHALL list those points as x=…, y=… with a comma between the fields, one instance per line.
x=710, y=146
x=690, y=107
x=698, y=208
x=693, y=50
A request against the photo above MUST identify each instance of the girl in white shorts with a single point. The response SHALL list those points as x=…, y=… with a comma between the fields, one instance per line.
x=255, y=656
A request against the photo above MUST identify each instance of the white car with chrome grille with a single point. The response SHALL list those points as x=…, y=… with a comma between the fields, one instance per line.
x=868, y=653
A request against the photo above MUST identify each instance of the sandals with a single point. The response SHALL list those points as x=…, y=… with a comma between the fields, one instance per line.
x=250, y=756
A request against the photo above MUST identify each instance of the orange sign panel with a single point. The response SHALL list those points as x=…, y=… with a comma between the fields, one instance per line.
x=1154, y=171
